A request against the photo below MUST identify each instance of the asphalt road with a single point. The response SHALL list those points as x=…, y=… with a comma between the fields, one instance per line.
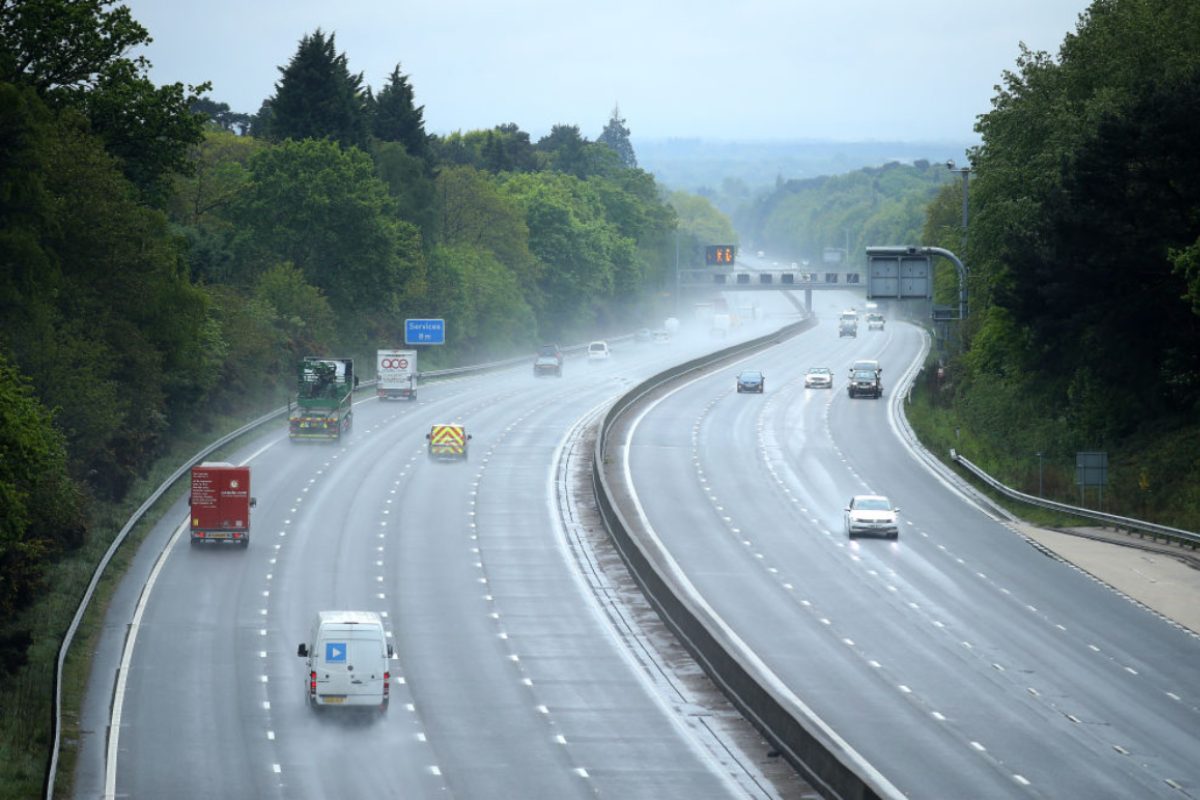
x=508, y=681
x=960, y=661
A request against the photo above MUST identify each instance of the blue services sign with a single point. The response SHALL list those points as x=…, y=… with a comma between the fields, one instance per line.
x=424, y=331
x=335, y=652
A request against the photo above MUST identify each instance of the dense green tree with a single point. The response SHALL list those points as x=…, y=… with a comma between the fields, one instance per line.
x=324, y=210
x=564, y=150
x=482, y=302
x=409, y=183
x=570, y=236
x=98, y=299
x=616, y=136
x=397, y=118
x=1085, y=187
x=504, y=148
x=317, y=97
x=302, y=313
x=72, y=53
x=41, y=510
x=474, y=211
x=60, y=47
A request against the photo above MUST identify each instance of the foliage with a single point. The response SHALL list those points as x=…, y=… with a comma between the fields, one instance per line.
x=317, y=97
x=504, y=148
x=324, y=210
x=616, y=136
x=873, y=206
x=481, y=302
x=395, y=116
x=408, y=182
x=220, y=116
x=60, y=47
x=40, y=506
x=1086, y=204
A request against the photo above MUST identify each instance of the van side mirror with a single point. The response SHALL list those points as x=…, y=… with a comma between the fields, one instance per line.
x=427, y=436
x=253, y=502
x=468, y=436
x=302, y=650
x=391, y=652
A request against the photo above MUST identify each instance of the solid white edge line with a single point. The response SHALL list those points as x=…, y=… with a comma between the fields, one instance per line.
x=114, y=726
x=668, y=562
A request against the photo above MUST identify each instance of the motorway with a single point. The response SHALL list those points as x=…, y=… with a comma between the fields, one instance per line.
x=509, y=680
x=959, y=661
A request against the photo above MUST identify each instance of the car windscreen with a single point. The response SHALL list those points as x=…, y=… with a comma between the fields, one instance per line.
x=872, y=505
x=864, y=375
x=750, y=377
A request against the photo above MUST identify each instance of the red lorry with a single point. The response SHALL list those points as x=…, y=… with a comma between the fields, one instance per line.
x=220, y=503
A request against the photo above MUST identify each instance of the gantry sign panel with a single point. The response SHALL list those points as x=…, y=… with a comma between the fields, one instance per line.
x=719, y=254
x=898, y=273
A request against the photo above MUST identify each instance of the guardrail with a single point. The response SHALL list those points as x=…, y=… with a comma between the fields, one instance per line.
x=1177, y=535
x=815, y=750
x=123, y=534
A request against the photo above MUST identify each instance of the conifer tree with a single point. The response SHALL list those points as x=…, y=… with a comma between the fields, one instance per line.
x=616, y=136
x=317, y=97
x=397, y=119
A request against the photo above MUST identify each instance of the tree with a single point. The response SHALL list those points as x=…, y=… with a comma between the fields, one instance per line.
x=481, y=300
x=409, y=183
x=41, y=508
x=396, y=118
x=474, y=211
x=324, y=209
x=616, y=136
x=62, y=47
x=72, y=53
x=220, y=116
x=563, y=149
x=302, y=313
x=317, y=97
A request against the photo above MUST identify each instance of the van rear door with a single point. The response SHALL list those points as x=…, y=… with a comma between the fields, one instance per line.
x=350, y=668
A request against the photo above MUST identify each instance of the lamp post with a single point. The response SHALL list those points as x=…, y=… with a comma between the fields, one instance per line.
x=965, y=172
x=1040, y=454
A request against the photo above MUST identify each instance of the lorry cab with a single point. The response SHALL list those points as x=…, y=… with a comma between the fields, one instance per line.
x=348, y=660
x=447, y=441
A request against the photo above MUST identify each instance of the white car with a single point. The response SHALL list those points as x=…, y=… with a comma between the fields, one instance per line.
x=872, y=513
x=598, y=351
x=818, y=378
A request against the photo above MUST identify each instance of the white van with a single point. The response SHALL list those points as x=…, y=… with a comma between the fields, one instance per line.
x=348, y=660
x=597, y=351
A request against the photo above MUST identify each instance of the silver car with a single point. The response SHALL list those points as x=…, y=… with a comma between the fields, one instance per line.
x=872, y=514
x=818, y=378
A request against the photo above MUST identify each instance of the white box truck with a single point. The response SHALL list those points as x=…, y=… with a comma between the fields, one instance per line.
x=397, y=374
x=348, y=660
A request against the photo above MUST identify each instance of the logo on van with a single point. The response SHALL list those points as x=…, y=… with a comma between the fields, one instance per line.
x=335, y=652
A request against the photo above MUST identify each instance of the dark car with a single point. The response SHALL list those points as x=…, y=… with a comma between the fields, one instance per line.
x=642, y=335
x=750, y=381
x=865, y=383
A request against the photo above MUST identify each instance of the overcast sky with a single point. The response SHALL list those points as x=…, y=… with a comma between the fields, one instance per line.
x=846, y=70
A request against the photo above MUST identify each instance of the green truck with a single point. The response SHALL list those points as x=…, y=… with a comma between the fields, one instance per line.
x=324, y=407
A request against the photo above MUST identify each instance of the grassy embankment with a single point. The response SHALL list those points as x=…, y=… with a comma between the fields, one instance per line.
x=1153, y=476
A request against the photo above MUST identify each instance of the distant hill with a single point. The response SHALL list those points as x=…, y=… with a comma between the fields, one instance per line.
x=704, y=165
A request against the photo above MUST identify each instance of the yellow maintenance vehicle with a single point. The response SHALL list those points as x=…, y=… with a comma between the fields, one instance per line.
x=448, y=441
